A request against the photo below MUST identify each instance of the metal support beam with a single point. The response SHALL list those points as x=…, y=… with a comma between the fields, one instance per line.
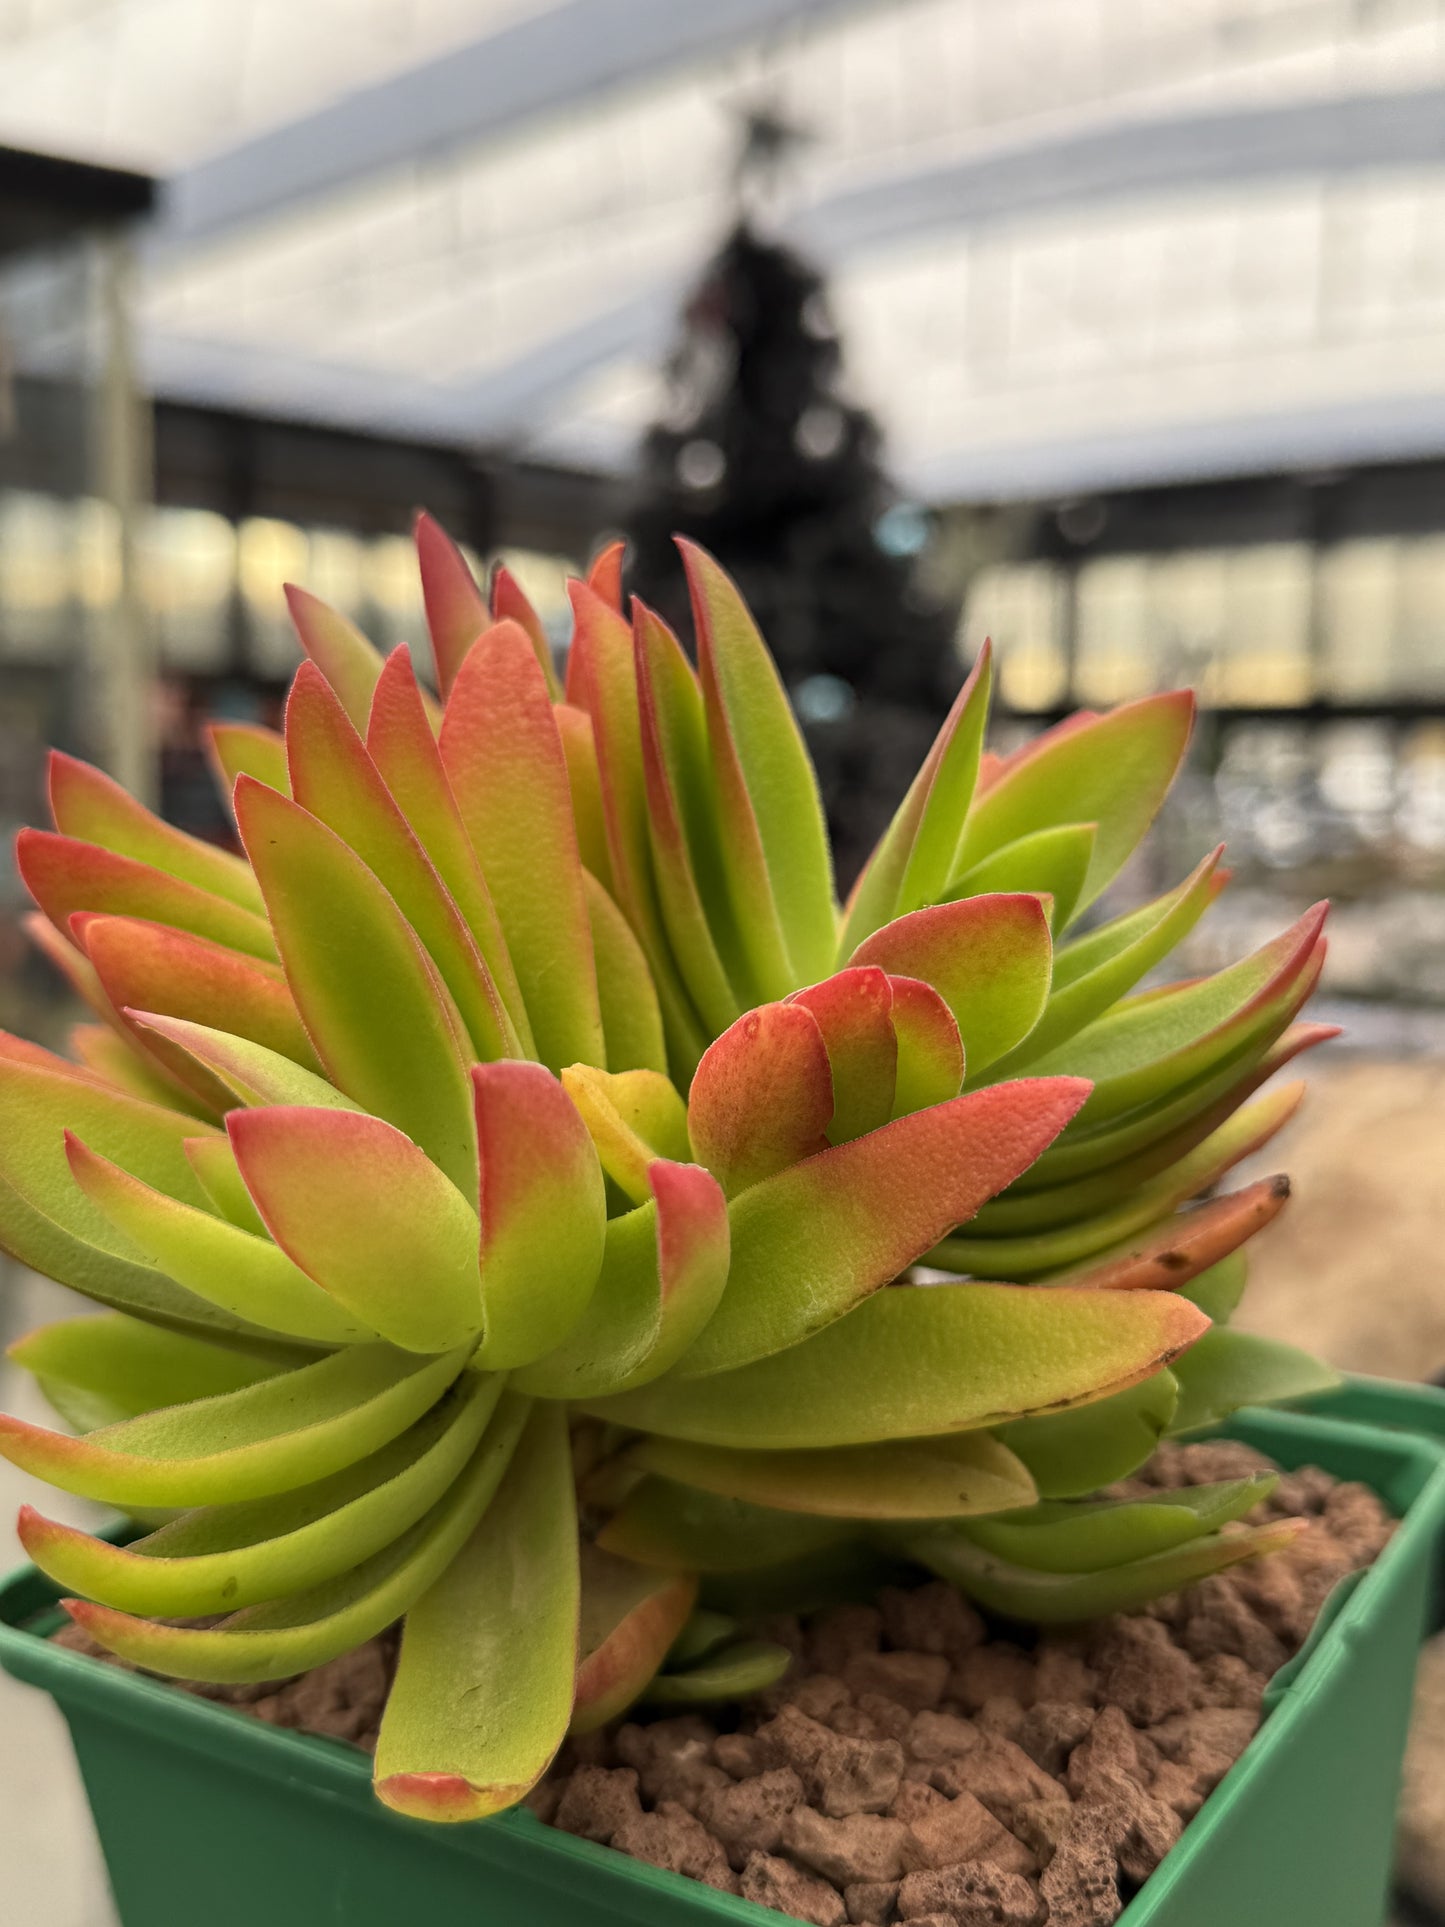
x=536, y=68
x=1011, y=181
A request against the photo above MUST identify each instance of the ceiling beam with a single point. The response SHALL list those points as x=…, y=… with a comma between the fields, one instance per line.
x=531, y=70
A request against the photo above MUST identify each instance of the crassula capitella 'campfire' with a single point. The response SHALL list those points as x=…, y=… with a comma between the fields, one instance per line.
x=503, y=1180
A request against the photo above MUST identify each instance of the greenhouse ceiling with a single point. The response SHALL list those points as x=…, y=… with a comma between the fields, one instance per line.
x=1072, y=243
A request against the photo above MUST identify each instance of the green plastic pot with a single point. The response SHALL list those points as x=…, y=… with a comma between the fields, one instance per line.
x=207, y=1815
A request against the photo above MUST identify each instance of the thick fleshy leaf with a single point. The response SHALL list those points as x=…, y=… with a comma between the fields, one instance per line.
x=484, y=1685
x=812, y=1242
x=681, y=818
x=359, y=1208
x=334, y=777
x=632, y=1027
x=41, y=1096
x=918, y=853
x=922, y=1360
x=402, y=743
x=253, y=1073
x=579, y=746
x=219, y=1176
x=853, y=1572
x=148, y=966
x=245, y=1444
x=680, y=781
x=681, y=1528
x=987, y=957
x=116, y=1059
x=604, y=573
x=218, y=1559
x=246, y=749
x=64, y=876
x=1077, y=999
x=1234, y=1369
x=762, y=1098
x=854, y=1011
x=704, y=1633
x=1170, y=1254
x=216, y=1260
x=285, y=1636
x=543, y=1212
x=902, y=1479
x=1074, y=1453
x=1113, y=771
x=99, y=1370
x=456, y=612
x=1061, y=1537
x=602, y=680
x=762, y=768
x=503, y=756
x=751, y=1666
x=1050, y=863
x=344, y=656
x=510, y=603
x=663, y=1272
x=1108, y=1236
x=93, y=808
x=389, y=1035
x=633, y=1118
x=1052, y=1598
x=930, y=1050
x=1169, y=1129
x=630, y=1618
x=1218, y=1291
x=1152, y=1044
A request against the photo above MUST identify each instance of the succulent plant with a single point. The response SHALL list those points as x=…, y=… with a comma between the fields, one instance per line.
x=505, y=1180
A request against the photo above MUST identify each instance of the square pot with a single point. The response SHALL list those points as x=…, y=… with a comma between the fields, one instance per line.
x=207, y=1815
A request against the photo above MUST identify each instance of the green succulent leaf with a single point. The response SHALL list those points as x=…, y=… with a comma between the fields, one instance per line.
x=390, y=1035
x=917, y=1361
x=632, y=1028
x=764, y=777
x=681, y=1528
x=1153, y=1043
x=285, y=1636
x=231, y=1268
x=1054, y=1598
x=812, y=1242
x=736, y=1673
x=1050, y=863
x=1218, y=1291
x=1111, y=770
x=631, y=1619
x=484, y=1686
x=248, y=749
x=354, y=1205
x=543, y=1210
x=252, y=1073
x=272, y=1436
x=503, y=756
x=930, y=1050
x=350, y=663
x=633, y=1118
x=854, y=1011
x=402, y=743
x=101, y=1369
x=664, y=1268
x=954, y=1477
x=1230, y=1369
x=987, y=957
x=67, y=877
x=1074, y=1538
x=1074, y=1453
x=333, y=776
x=918, y=853
x=762, y=1098
x=219, y=1558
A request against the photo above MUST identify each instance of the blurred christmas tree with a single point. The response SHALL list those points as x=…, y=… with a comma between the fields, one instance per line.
x=759, y=456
